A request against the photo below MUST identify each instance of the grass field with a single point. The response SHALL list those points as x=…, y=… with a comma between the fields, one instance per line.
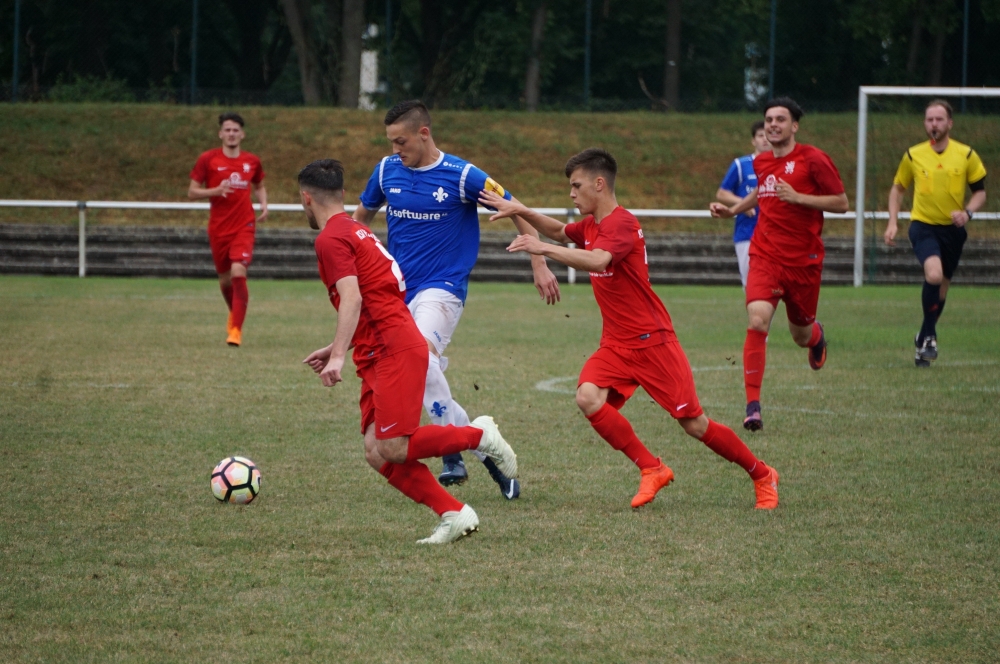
x=117, y=397
x=674, y=161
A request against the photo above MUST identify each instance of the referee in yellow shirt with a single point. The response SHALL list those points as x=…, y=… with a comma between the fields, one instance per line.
x=939, y=169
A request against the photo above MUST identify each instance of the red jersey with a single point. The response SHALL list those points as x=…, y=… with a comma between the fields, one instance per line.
x=229, y=213
x=345, y=248
x=786, y=233
x=634, y=317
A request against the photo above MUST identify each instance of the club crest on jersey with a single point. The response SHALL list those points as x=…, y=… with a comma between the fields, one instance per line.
x=789, y=167
x=440, y=195
x=246, y=168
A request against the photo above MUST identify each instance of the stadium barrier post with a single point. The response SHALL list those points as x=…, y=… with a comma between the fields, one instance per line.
x=859, y=194
x=81, y=206
x=570, y=271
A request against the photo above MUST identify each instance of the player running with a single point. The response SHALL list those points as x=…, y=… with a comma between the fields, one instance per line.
x=638, y=344
x=367, y=289
x=796, y=184
x=225, y=176
x=434, y=234
x=941, y=168
x=739, y=181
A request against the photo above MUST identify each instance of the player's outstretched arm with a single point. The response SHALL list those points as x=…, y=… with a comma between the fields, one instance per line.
x=719, y=210
x=596, y=260
x=547, y=226
x=348, y=315
x=197, y=190
x=261, y=194
x=363, y=215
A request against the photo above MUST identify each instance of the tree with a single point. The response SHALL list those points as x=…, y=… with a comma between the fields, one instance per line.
x=533, y=76
x=672, y=61
x=349, y=89
x=297, y=14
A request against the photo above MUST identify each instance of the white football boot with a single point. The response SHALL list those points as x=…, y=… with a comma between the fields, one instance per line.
x=495, y=447
x=454, y=526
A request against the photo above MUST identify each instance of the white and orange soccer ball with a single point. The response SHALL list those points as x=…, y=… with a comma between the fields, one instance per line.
x=236, y=480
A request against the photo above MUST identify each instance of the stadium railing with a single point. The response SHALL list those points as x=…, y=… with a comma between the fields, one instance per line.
x=569, y=213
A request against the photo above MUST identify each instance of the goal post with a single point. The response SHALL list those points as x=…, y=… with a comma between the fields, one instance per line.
x=864, y=92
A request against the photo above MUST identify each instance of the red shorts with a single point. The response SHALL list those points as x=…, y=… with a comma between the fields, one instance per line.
x=235, y=248
x=662, y=370
x=392, y=392
x=797, y=286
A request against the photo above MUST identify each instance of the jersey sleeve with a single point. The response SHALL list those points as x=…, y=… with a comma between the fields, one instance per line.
x=200, y=171
x=732, y=180
x=826, y=175
x=904, y=174
x=574, y=232
x=616, y=239
x=475, y=181
x=372, y=198
x=976, y=170
x=336, y=255
x=258, y=175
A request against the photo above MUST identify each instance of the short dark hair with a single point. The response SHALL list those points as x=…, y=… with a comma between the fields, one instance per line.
x=230, y=115
x=324, y=176
x=595, y=161
x=942, y=103
x=785, y=102
x=413, y=112
x=755, y=127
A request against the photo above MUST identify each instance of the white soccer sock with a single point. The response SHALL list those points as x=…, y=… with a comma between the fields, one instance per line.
x=438, y=403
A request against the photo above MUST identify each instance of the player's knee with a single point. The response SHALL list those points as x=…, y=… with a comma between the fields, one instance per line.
x=393, y=450
x=933, y=276
x=588, y=399
x=757, y=323
x=372, y=455
x=695, y=427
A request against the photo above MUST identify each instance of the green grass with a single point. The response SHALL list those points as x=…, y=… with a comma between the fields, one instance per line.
x=117, y=397
x=674, y=161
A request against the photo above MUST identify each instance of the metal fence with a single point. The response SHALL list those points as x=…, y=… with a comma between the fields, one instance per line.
x=568, y=213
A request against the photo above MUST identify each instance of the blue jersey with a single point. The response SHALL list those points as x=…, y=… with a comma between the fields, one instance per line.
x=432, y=219
x=741, y=180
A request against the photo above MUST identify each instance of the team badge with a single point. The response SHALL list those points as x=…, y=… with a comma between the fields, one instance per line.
x=246, y=168
x=494, y=186
x=440, y=195
x=789, y=167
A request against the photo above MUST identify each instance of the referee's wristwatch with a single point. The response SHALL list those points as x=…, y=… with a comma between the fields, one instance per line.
x=969, y=213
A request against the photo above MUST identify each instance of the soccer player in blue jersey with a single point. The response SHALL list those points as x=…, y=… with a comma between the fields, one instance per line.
x=433, y=225
x=740, y=180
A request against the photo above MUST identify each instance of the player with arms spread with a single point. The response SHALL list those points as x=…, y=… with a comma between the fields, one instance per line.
x=638, y=344
x=941, y=168
x=367, y=288
x=796, y=184
x=434, y=234
x=226, y=176
x=739, y=181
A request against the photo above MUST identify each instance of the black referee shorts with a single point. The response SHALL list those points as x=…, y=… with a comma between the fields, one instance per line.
x=943, y=241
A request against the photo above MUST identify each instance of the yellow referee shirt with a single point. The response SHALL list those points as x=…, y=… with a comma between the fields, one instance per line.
x=940, y=179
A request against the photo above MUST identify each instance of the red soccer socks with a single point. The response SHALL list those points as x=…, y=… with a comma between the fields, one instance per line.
x=614, y=428
x=241, y=296
x=754, y=356
x=227, y=295
x=723, y=441
x=432, y=440
x=415, y=481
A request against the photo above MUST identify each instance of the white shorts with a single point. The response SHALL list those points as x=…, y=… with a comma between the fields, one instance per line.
x=436, y=313
x=743, y=256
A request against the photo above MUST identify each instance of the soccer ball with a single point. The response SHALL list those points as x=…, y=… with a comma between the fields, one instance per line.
x=236, y=480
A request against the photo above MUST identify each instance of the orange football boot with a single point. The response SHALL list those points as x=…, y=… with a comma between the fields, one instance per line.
x=229, y=323
x=766, y=489
x=235, y=337
x=652, y=480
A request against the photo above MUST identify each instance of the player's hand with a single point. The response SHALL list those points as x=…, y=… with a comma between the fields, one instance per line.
x=719, y=210
x=504, y=208
x=224, y=188
x=318, y=358
x=546, y=283
x=330, y=375
x=527, y=243
x=959, y=218
x=263, y=214
x=890, y=234
x=785, y=192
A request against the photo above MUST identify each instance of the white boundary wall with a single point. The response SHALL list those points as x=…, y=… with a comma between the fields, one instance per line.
x=864, y=92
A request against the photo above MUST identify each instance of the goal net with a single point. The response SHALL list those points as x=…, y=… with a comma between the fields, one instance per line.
x=890, y=120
